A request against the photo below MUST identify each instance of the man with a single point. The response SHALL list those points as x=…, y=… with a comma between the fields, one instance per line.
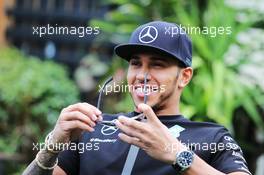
x=159, y=56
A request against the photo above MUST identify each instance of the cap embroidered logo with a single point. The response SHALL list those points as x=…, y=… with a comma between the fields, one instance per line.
x=148, y=34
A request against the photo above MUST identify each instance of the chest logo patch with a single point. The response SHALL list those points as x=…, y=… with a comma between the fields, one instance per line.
x=108, y=130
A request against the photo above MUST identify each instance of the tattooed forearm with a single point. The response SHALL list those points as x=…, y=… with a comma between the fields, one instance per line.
x=34, y=169
x=46, y=159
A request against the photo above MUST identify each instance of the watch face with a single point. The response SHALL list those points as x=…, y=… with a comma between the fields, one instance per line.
x=185, y=159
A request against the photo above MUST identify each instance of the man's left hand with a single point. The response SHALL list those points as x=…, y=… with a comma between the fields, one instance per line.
x=152, y=136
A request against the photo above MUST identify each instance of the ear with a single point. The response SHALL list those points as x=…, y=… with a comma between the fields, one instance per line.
x=185, y=77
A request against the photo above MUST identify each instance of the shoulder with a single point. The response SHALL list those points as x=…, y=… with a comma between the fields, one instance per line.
x=211, y=127
x=203, y=132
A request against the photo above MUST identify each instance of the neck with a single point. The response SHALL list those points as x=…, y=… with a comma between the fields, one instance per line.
x=172, y=110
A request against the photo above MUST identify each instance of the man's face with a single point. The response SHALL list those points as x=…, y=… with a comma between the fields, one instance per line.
x=162, y=80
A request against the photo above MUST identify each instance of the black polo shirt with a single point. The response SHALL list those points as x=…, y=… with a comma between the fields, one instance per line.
x=103, y=153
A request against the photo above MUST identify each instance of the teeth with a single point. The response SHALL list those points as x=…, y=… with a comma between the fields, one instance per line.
x=148, y=90
x=140, y=90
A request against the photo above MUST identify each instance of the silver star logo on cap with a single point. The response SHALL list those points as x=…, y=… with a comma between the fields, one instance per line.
x=148, y=34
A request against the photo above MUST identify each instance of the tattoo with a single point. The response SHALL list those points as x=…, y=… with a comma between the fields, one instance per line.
x=46, y=159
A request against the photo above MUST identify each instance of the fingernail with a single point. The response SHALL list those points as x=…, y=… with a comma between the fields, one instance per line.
x=117, y=122
x=121, y=117
x=94, y=117
x=98, y=112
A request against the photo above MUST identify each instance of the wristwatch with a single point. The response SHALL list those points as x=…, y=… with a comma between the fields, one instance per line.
x=184, y=160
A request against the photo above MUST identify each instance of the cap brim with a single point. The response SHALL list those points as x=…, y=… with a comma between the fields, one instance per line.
x=125, y=51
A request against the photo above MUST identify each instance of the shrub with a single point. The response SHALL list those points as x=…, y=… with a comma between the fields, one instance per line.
x=32, y=93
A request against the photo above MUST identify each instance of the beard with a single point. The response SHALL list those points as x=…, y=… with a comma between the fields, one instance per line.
x=161, y=104
x=165, y=96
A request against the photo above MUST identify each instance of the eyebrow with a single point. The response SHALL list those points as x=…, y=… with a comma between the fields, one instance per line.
x=155, y=58
x=152, y=58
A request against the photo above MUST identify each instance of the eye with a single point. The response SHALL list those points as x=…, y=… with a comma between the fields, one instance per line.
x=158, y=64
x=134, y=62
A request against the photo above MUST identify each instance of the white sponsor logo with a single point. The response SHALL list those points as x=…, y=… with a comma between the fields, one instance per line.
x=238, y=154
x=103, y=140
x=245, y=169
x=108, y=130
x=148, y=34
x=228, y=138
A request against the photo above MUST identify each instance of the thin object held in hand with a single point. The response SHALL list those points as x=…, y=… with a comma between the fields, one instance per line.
x=133, y=150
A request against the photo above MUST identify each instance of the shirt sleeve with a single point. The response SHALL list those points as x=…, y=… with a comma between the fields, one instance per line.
x=69, y=159
x=229, y=157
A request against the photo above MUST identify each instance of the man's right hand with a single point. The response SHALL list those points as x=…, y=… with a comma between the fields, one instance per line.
x=73, y=120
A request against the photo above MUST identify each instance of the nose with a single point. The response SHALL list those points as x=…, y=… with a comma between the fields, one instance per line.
x=141, y=75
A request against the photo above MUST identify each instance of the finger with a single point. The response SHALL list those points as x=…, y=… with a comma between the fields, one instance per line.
x=130, y=131
x=96, y=110
x=132, y=123
x=76, y=124
x=100, y=118
x=131, y=140
x=83, y=108
x=149, y=113
x=76, y=115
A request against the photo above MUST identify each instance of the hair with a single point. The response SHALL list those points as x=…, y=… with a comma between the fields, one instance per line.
x=175, y=60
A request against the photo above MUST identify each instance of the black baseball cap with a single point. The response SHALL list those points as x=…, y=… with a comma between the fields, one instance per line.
x=159, y=37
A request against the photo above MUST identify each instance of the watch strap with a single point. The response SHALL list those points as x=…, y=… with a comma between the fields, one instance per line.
x=177, y=167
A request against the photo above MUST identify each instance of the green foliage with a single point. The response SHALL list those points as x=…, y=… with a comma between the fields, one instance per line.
x=32, y=93
x=215, y=90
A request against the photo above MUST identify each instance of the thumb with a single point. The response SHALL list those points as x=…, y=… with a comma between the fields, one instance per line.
x=148, y=112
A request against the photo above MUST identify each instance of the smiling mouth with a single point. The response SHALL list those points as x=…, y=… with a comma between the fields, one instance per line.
x=148, y=90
